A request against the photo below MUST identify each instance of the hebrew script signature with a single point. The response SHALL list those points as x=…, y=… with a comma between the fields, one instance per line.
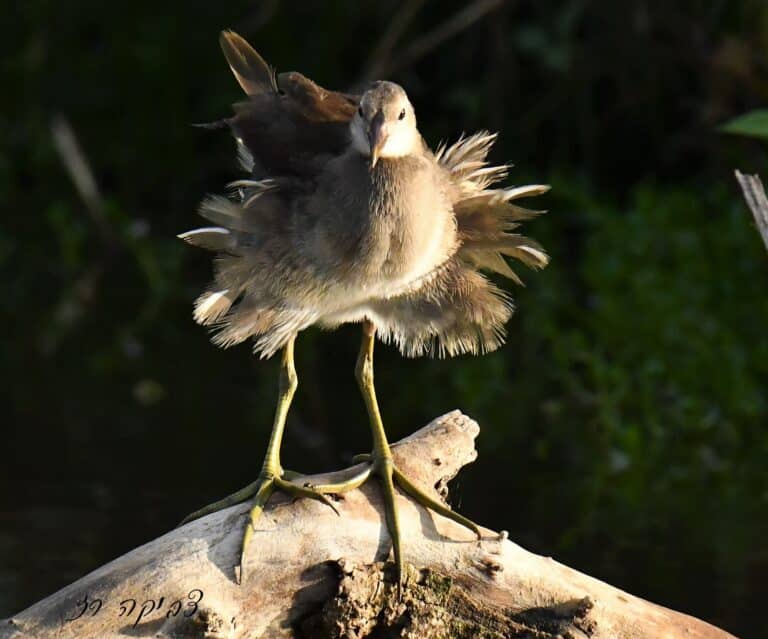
x=91, y=607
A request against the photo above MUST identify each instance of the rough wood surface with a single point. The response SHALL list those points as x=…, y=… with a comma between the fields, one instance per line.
x=311, y=573
x=754, y=194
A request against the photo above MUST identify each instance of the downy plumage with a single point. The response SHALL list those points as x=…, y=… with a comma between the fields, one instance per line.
x=323, y=233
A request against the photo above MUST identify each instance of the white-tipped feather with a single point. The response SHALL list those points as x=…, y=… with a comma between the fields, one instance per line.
x=263, y=185
x=213, y=238
x=211, y=306
x=206, y=229
x=528, y=190
x=540, y=256
x=485, y=216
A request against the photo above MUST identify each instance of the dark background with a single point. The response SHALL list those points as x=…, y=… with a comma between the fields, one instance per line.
x=624, y=424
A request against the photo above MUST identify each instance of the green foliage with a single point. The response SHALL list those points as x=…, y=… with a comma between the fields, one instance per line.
x=664, y=367
x=752, y=125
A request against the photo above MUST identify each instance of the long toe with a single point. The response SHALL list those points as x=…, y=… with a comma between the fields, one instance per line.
x=307, y=491
x=264, y=492
x=431, y=503
x=347, y=483
x=231, y=500
x=384, y=469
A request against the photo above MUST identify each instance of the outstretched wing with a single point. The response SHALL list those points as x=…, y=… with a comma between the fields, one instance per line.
x=486, y=216
x=286, y=131
x=289, y=126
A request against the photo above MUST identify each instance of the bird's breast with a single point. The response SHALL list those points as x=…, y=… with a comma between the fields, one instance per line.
x=375, y=232
x=410, y=227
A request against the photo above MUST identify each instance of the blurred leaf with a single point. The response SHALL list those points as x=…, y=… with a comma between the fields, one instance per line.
x=753, y=125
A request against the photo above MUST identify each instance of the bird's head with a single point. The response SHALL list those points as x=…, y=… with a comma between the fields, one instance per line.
x=385, y=123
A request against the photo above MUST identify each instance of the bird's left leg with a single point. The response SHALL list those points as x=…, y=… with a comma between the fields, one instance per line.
x=381, y=461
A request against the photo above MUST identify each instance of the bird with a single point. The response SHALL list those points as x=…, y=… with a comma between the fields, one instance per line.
x=346, y=215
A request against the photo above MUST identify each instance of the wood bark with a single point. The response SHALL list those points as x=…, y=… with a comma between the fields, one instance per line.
x=311, y=573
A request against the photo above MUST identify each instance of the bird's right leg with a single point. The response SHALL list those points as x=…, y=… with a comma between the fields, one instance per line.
x=272, y=476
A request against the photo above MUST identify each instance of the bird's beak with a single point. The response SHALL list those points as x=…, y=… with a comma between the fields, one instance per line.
x=377, y=136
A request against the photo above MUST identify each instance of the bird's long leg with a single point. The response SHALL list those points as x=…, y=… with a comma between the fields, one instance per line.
x=381, y=460
x=272, y=476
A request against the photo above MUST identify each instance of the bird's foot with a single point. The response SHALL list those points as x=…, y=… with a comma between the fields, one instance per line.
x=383, y=467
x=259, y=492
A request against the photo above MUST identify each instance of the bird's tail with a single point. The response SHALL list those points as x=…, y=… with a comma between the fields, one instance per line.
x=253, y=74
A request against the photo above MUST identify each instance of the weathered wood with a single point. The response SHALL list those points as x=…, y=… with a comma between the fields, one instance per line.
x=754, y=194
x=311, y=573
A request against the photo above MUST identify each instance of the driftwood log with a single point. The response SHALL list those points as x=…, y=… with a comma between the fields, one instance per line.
x=311, y=573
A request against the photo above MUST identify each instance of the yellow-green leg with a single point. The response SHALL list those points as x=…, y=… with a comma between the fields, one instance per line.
x=272, y=476
x=382, y=464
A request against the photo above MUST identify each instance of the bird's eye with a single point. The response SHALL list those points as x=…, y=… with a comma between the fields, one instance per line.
x=360, y=111
x=402, y=115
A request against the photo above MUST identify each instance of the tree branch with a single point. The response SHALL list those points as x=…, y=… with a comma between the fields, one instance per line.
x=401, y=20
x=382, y=67
x=310, y=573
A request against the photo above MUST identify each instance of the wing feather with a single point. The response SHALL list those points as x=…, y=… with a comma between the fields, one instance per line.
x=485, y=217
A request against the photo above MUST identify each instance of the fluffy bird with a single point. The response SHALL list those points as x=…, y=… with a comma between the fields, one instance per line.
x=347, y=216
